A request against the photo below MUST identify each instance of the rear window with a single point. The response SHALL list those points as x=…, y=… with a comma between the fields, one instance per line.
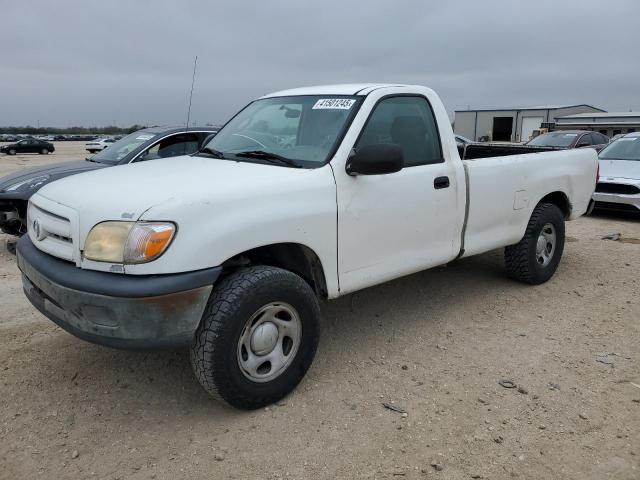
x=599, y=139
x=554, y=139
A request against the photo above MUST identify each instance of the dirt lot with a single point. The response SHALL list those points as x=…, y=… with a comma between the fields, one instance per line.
x=435, y=343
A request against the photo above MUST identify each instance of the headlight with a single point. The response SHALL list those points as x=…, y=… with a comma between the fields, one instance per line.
x=32, y=182
x=128, y=242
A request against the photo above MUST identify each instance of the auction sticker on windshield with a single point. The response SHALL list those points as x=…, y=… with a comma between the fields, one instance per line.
x=334, y=103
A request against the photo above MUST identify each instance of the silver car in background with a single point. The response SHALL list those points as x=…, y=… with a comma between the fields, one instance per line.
x=619, y=185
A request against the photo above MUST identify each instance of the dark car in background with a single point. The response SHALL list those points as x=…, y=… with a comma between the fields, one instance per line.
x=570, y=139
x=28, y=145
x=143, y=145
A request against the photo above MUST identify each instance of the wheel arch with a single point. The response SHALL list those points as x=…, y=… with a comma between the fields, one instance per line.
x=560, y=200
x=295, y=257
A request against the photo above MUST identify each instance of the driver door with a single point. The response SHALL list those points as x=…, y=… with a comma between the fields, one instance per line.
x=399, y=223
x=27, y=146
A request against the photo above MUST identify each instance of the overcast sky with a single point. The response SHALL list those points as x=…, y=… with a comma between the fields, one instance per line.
x=96, y=63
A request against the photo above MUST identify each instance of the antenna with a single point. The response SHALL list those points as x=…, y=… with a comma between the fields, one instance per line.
x=193, y=79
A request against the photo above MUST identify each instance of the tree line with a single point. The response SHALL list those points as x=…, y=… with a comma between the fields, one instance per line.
x=108, y=130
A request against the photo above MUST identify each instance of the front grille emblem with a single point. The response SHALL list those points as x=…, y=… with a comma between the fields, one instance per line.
x=37, y=230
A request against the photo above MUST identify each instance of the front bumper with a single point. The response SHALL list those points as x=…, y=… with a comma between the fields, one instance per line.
x=617, y=200
x=116, y=310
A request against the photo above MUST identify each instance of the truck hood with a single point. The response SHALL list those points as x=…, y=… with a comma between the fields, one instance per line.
x=130, y=190
x=56, y=171
x=629, y=169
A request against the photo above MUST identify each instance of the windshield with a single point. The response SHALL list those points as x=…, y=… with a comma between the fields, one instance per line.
x=553, y=139
x=625, y=148
x=303, y=129
x=118, y=150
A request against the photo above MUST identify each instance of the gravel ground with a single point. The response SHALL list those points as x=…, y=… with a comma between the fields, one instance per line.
x=435, y=344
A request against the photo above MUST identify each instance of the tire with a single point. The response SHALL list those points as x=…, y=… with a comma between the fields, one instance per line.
x=11, y=246
x=526, y=261
x=12, y=152
x=218, y=354
x=44, y=151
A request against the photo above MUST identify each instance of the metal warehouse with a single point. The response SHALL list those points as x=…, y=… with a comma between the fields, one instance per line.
x=610, y=124
x=512, y=124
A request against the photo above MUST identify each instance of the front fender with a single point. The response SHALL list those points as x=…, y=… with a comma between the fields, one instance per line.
x=214, y=229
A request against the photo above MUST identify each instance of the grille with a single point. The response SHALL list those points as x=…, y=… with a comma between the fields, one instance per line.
x=50, y=232
x=621, y=207
x=621, y=188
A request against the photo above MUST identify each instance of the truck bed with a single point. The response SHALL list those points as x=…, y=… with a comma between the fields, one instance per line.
x=503, y=190
x=474, y=151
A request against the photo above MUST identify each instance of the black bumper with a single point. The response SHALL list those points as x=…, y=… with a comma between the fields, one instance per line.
x=121, y=311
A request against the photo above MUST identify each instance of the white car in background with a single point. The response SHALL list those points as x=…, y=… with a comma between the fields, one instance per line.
x=619, y=185
x=99, y=145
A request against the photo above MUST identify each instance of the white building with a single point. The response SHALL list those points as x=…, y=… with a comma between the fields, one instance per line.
x=512, y=124
x=610, y=124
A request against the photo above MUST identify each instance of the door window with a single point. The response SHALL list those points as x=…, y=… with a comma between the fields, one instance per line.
x=407, y=121
x=585, y=140
x=182, y=144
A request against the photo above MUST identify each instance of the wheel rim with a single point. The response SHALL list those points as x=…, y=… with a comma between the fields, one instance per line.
x=546, y=245
x=269, y=342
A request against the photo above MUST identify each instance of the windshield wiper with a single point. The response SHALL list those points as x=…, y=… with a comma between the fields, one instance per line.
x=269, y=157
x=212, y=152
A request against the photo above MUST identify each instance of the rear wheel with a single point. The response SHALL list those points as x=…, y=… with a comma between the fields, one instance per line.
x=536, y=257
x=44, y=151
x=257, y=337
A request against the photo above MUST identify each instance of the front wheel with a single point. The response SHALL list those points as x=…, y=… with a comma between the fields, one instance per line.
x=257, y=338
x=12, y=152
x=44, y=151
x=536, y=257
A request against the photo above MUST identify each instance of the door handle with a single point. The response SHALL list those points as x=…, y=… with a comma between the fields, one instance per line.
x=441, y=182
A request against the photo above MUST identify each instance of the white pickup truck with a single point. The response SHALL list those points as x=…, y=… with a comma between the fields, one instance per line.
x=304, y=195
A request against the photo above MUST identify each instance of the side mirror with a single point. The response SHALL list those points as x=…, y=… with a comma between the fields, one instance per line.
x=377, y=159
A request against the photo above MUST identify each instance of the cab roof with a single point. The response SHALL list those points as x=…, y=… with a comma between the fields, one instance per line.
x=167, y=129
x=341, y=89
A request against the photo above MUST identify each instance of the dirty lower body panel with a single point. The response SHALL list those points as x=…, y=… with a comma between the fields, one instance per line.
x=617, y=196
x=142, y=319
